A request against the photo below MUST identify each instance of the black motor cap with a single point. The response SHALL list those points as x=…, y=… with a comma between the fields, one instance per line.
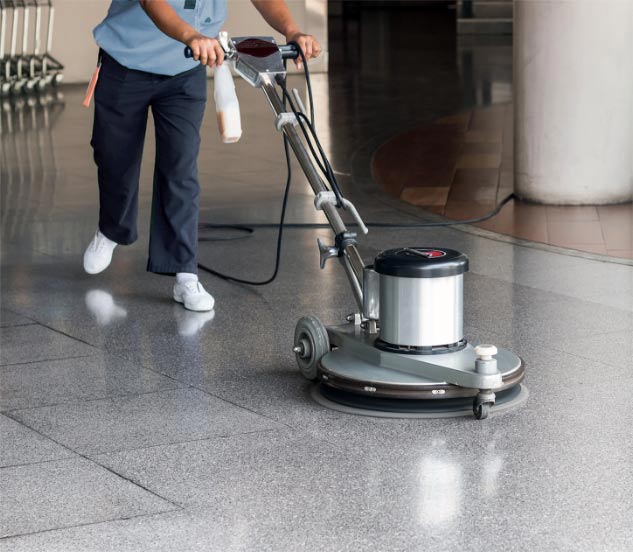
x=421, y=262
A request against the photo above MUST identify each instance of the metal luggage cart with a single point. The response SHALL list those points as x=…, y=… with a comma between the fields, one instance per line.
x=26, y=67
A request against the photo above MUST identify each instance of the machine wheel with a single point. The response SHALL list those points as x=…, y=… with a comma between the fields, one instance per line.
x=481, y=410
x=310, y=345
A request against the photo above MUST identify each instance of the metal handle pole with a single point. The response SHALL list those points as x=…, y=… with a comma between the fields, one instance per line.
x=25, y=29
x=38, y=29
x=351, y=259
x=3, y=29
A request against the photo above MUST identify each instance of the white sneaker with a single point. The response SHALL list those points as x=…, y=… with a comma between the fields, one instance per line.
x=98, y=254
x=193, y=296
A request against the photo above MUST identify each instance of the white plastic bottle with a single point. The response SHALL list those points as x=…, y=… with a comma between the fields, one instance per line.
x=227, y=106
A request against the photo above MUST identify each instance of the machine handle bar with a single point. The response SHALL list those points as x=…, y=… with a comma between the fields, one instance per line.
x=288, y=51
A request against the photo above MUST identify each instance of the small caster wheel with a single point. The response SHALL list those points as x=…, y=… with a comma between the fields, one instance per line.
x=311, y=344
x=481, y=410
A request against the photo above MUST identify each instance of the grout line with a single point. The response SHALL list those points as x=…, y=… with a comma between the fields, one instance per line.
x=87, y=458
x=79, y=400
x=19, y=325
x=587, y=359
x=36, y=463
x=191, y=386
x=68, y=335
x=88, y=524
x=93, y=456
x=43, y=360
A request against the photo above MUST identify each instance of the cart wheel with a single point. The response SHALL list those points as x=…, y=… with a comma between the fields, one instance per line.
x=481, y=410
x=310, y=345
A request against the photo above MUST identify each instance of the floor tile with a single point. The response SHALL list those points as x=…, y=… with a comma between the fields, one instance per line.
x=479, y=161
x=94, y=377
x=597, y=248
x=21, y=445
x=474, y=185
x=622, y=213
x=566, y=234
x=571, y=213
x=9, y=318
x=618, y=234
x=492, y=136
x=460, y=119
x=64, y=493
x=458, y=210
x=499, y=307
x=486, y=119
x=150, y=419
x=621, y=253
x=31, y=343
x=232, y=530
x=214, y=472
x=426, y=195
x=613, y=348
x=481, y=148
x=523, y=220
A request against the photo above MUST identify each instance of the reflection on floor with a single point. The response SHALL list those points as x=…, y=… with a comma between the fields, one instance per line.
x=129, y=424
x=461, y=166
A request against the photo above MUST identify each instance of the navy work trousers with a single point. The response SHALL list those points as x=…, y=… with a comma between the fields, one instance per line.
x=123, y=98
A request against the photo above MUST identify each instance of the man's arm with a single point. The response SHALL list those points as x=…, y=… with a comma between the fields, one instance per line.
x=278, y=16
x=205, y=49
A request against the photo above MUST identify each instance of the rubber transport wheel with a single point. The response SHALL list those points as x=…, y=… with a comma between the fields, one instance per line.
x=312, y=339
x=481, y=410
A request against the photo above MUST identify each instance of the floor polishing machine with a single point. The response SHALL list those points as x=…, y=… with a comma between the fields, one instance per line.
x=403, y=353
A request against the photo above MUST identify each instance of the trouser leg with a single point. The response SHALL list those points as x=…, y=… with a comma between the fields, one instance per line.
x=120, y=120
x=178, y=109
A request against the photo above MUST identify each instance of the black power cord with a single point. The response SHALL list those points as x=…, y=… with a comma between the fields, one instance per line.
x=308, y=130
x=249, y=231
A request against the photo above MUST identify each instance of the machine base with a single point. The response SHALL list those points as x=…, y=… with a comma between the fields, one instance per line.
x=357, y=375
x=363, y=405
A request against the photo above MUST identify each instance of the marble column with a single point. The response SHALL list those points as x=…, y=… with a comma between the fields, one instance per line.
x=573, y=101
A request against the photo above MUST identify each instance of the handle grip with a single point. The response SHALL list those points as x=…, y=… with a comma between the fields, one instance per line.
x=288, y=51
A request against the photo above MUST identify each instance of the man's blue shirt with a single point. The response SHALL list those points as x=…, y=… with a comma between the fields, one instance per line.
x=131, y=37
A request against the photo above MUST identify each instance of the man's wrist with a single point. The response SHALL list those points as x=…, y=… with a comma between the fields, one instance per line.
x=291, y=33
x=188, y=34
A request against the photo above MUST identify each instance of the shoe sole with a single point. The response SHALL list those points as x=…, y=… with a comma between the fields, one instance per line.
x=94, y=271
x=97, y=271
x=178, y=299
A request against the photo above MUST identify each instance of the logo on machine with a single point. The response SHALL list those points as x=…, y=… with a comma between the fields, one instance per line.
x=431, y=253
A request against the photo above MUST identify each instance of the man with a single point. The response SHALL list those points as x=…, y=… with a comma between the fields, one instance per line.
x=143, y=67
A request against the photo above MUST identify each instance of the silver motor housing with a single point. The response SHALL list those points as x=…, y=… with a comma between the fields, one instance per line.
x=420, y=299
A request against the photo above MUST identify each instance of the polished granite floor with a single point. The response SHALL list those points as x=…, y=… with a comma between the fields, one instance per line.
x=130, y=424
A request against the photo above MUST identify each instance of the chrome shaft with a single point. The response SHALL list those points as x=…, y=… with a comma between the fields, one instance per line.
x=351, y=259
